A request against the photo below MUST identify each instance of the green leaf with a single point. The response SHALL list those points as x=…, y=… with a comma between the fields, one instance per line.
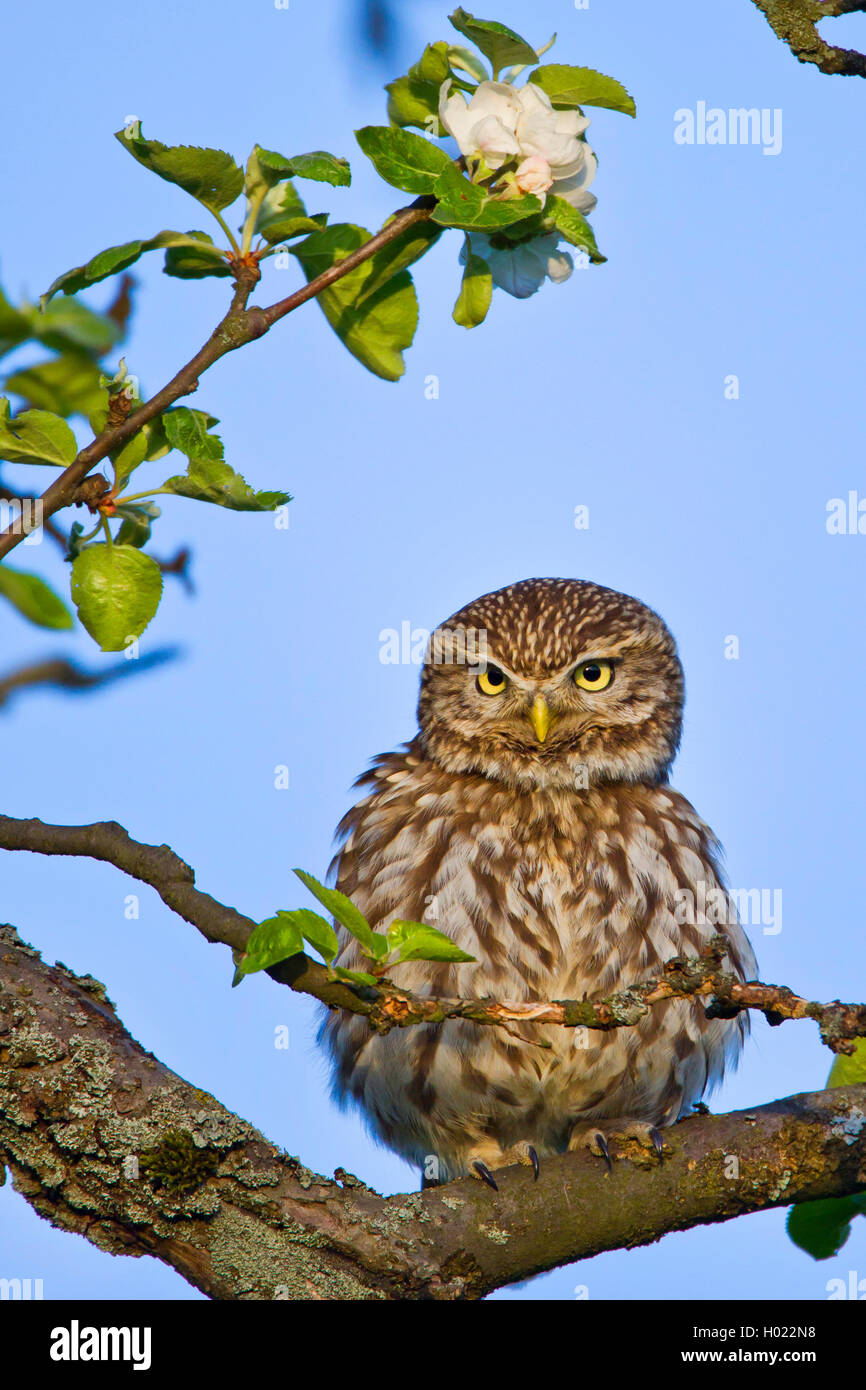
x=209, y=478
x=465, y=204
x=419, y=941
x=65, y=385
x=265, y=169
x=323, y=167
x=354, y=977
x=315, y=929
x=568, y=87
x=188, y=431
x=209, y=481
x=433, y=66
x=464, y=60
x=210, y=176
x=345, y=911
x=137, y=518
x=34, y=599
x=498, y=43
x=117, y=258
x=822, y=1228
x=414, y=99
x=69, y=324
x=403, y=251
x=127, y=459
x=574, y=227
x=476, y=292
x=73, y=547
x=849, y=1070
x=405, y=160
x=116, y=590
x=376, y=328
x=410, y=103
x=271, y=941
x=282, y=215
x=195, y=261
x=16, y=325
x=35, y=436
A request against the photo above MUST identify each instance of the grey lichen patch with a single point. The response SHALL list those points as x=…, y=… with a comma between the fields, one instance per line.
x=77, y=1137
x=453, y=1203
x=780, y=1185
x=494, y=1232
x=849, y=1127
x=32, y=1046
x=89, y=984
x=411, y=1208
x=220, y=1129
x=95, y=1058
x=251, y=1177
x=258, y=1262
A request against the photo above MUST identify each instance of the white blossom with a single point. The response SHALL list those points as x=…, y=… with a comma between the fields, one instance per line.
x=523, y=269
x=501, y=123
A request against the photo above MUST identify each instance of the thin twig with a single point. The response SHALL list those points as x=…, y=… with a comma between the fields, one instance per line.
x=387, y=1006
x=60, y=674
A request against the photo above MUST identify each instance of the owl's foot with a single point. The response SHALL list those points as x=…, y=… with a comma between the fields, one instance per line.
x=522, y=1152
x=589, y=1136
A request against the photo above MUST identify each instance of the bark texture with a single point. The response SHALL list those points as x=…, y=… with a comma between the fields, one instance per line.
x=83, y=1107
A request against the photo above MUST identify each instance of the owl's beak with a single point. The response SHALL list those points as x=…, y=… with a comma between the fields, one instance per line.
x=540, y=718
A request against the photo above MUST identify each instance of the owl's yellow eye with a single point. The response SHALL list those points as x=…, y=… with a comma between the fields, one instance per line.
x=594, y=675
x=491, y=681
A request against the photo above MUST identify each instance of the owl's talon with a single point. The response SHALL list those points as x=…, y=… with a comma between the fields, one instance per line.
x=485, y=1174
x=533, y=1158
x=658, y=1144
x=604, y=1150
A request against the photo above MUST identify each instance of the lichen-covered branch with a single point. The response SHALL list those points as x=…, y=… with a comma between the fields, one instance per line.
x=795, y=21
x=388, y=1006
x=103, y=1139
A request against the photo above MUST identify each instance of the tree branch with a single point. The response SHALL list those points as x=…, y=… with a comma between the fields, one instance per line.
x=81, y=1102
x=385, y=1004
x=794, y=21
x=61, y=674
x=240, y=326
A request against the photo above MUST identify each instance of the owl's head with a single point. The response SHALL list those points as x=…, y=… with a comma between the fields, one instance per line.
x=553, y=683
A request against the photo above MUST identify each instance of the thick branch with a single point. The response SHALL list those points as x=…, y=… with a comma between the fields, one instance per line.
x=386, y=1005
x=239, y=327
x=794, y=21
x=80, y=1101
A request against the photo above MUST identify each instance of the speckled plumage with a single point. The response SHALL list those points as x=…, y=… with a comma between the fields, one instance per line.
x=556, y=864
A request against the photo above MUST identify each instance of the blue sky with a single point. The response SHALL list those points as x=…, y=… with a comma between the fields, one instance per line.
x=607, y=391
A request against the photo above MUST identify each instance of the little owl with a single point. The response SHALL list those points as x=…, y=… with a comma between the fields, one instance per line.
x=531, y=820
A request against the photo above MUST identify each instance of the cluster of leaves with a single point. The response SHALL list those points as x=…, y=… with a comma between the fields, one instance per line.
x=373, y=309
x=116, y=584
x=62, y=381
x=822, y=1228
x=284, y=935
